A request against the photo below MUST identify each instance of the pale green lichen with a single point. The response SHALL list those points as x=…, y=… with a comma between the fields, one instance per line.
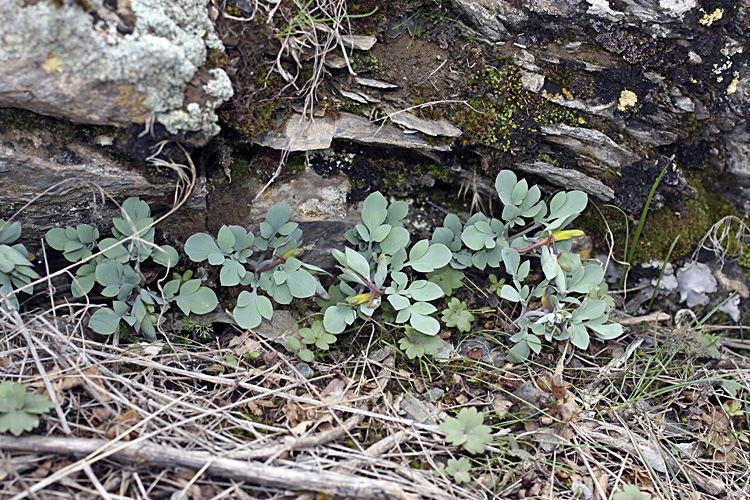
x=168, y=44
x=628, y=99
x=733, y=86
x=220, y=87
x=201, y=116
x=709, y=19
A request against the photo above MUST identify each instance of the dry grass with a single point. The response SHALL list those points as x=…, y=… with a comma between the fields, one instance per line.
x=174, y=419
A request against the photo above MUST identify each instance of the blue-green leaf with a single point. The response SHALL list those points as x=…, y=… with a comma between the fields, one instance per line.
x=374, y=211
x=199, y=246
x=509, y=293
x=505, y=183
x=165, y=255
x=301, y=284
x=397, y=239
x=200, y=301
x=251, y=309
x=357, y=263
x=105, y=321
x=398, y=302
x=606, y=332
x=579, y=337
x=434, y=257
x=10, y=232
x=511, y=259
x=519, y=192
x=231, y=273
x=397, y=211
x=337, y=318
x=550, y=267
x=425, y=324
x=225, y=239
x=277, y=216
x=423, y=290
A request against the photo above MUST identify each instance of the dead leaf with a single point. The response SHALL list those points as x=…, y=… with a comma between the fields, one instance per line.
x=123, y=424
x=239, y=339
x=500, y=405
x=254, y=408
x=101, y=414
x=334, y=389
x=301, y=427
x=43, y=470
x=419, y=385
x=476, y=354
x=271, y=359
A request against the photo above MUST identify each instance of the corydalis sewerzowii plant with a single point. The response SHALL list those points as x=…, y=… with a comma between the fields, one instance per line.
x=16, y=269
x=281, y=275
x=573, y=294
x=374, y=270
x=117, y=268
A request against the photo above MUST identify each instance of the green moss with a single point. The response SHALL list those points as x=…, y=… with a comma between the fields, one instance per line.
x=255, y=114
x=504, y=115
x=548, y=159
x=691, y=221
x=580, y=84
x=294, y=166
x=404, y=173
x=363, y=61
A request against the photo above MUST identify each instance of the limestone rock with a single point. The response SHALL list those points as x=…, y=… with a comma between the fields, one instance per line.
x=569, y=179
x=141, y=62
x=62, y=182
x=591, y=143
x=301, y=134
x=432, y=128
x=320, y=207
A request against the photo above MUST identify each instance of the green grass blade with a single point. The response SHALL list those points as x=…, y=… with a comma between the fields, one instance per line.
x=661, y=274
x=642, y=222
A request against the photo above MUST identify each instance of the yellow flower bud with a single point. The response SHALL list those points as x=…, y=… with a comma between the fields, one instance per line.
x=568, y=234
x=295, y=252
x=359, y=299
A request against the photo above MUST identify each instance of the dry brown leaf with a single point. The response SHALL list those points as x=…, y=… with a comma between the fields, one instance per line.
x=254, y=408
x=334, y=389
x=500, y=404
x=43, y=470
x=122, y=425
x=419, y=385
x=301, y=427
x=242, y=344
x=476, y=354
x=568, y=409
x=194, y=491
x=239, y=339
x=101, y=414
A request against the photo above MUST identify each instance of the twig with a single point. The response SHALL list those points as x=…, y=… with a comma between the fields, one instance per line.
x=291, y=443
x=143, y=453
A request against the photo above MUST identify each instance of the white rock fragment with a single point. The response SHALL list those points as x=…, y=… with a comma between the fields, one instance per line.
x=685, y=103
x=334, y=61
x=433, y=128
x=377, y=84
x=354, y=96
x=533, y=82
x=696, y=280
x=732, y=308
x=359, y=42
x=676, y=8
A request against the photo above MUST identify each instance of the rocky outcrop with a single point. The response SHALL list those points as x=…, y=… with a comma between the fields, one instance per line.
x=113, y=63
x=672, y=75
x=53, y=174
